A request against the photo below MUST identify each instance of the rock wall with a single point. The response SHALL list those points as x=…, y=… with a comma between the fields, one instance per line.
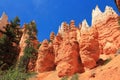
x=22, y=43
x=89, y=47
x=3, y=22
x=45, y=60
x=108, y=31
x=67, y=58
x=74, y=49
x=101, y=38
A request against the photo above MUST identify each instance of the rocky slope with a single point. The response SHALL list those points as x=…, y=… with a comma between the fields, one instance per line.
x=110, y=71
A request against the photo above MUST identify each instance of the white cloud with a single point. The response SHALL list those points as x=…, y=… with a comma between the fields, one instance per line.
x=39, y=3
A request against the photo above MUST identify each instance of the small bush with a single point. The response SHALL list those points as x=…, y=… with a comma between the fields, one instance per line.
x=28, y=51
x=65, y=78
x=3, y=39
x=38, y=46
x=15, y=74
x=75, y=77
x=107, y=61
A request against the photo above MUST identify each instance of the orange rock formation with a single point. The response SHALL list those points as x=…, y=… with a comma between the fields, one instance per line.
x=76, y=49
x=45, y=61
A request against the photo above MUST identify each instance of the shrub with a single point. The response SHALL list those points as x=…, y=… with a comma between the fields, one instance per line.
x=3, y=39
x=24, y=60
x=65, y=78
x=34, y=26
x=15, y=22
x=31, y=27
x=29, y=50
x=38, y=46
x=15, y=74
x=107, y=61
x=75, y=77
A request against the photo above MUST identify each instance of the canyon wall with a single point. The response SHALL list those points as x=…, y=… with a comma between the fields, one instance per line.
x=77, y=49
x=74, y=49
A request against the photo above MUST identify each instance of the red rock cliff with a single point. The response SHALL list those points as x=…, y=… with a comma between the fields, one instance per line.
x=74, y=49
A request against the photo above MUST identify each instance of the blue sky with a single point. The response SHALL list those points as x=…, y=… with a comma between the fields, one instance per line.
x=49, y=14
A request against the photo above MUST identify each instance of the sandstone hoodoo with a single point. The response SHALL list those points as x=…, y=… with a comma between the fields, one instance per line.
x=45, y=60
x=78, y=49
x=68, y=59
x=52, y=36
x=108, y=30
x=89, y=47
x=72, y=50
x=3, y=21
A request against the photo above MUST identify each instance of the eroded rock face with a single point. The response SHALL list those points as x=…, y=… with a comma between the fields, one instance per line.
x=72, y=24
x=45, y=61
x=98, y=16
x=52, y=36
x=56, y=43
x=64, y=27
x=78, y=49
x=108, y=31
x=22, y=43
x=74, y=49
x=68, y=60
x=89, y=47
x=3, y=21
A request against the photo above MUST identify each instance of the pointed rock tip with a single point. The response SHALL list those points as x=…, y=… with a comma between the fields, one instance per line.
x=3, y=15
x=45, y=41
x=96, y=10
x=95, y=14
x=59, y=29
x=52, y=32
x=84, y=23
x=63, y=23
x=84, y=26
x=97, y=7
x=72, y=21
x=33, y=21
x=108, y=8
